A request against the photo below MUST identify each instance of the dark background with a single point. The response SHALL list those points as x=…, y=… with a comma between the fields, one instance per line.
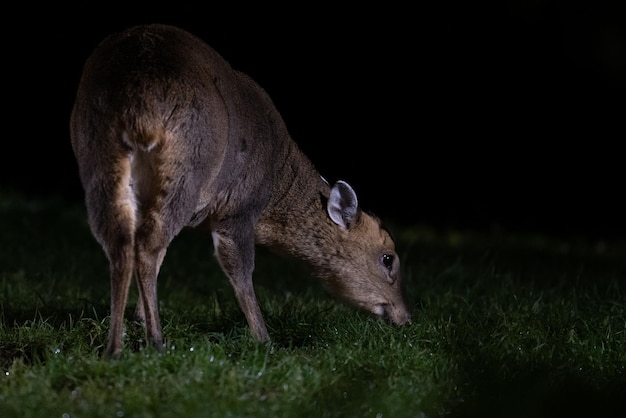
x=469, y=115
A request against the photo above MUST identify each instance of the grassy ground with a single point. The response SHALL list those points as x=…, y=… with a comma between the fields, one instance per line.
x=505, y=325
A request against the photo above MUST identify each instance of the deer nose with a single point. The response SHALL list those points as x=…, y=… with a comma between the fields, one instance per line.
x=399, y=315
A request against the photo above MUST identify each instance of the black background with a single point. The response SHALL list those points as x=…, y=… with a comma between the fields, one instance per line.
x=461, y=115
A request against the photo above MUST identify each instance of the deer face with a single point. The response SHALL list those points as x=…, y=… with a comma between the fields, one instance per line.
x=361, y=264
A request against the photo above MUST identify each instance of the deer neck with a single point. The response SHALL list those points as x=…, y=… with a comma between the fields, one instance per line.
x=296, y=216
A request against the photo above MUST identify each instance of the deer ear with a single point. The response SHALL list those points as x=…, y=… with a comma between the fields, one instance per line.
x=343, y=206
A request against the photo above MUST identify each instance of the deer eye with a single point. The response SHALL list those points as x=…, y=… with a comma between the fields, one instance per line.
x=387, y=260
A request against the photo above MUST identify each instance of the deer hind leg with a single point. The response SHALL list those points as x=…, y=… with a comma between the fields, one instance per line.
x=151, y=244
x=166, y=201
x=121, y=271
x=111, y=209
x=151, y=241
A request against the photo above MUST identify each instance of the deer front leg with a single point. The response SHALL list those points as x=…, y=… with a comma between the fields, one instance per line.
x=236, y=257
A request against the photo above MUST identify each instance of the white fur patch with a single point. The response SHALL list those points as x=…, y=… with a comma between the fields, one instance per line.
x=145, y=147
x=216, y=241
x=126, y=140
x=378, y=310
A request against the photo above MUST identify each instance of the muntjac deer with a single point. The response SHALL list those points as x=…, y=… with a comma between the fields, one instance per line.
x=167, y=135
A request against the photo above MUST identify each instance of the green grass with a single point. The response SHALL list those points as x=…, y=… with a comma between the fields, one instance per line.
x=504, y=325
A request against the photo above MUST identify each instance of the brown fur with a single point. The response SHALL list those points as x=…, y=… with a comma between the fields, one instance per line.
x=167, y=135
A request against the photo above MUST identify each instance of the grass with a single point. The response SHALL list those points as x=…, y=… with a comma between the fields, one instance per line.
x=505, y=325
